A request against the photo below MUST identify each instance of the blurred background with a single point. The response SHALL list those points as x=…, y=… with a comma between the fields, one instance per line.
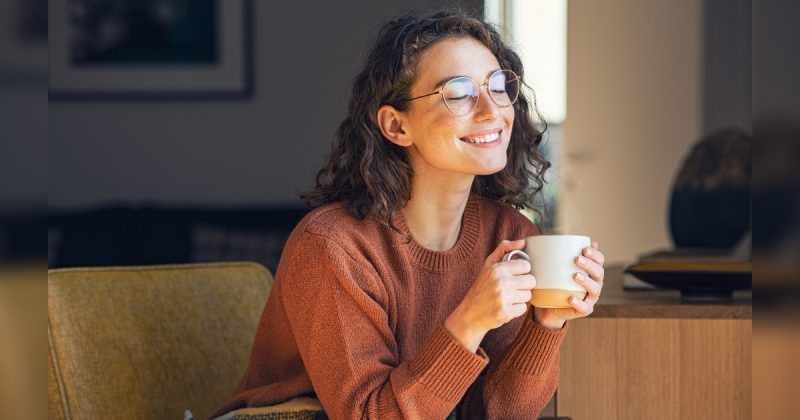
x=160, y=152
x=181, y=131
x=23, y=209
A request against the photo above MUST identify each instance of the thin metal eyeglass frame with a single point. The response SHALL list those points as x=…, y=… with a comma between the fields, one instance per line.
x=479, y=86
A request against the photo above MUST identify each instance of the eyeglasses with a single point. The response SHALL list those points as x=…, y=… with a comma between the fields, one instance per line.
x=460, y=94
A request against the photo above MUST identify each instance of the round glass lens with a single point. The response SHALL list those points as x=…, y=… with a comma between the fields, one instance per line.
x=460, y=95
x=504, y=87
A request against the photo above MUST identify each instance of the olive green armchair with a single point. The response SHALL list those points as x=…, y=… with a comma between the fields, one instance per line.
x=153, y=341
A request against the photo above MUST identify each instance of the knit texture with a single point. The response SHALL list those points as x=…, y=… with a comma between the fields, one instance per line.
x=356, y=316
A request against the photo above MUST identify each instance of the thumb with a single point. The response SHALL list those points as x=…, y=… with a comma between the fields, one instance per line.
x=504, y=248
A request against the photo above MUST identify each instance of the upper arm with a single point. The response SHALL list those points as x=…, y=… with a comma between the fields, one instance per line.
x=337, y=313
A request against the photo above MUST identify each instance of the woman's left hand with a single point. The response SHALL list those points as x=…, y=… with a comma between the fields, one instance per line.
x=592, y=261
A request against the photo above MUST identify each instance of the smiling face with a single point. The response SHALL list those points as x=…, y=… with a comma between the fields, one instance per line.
x=439, y=141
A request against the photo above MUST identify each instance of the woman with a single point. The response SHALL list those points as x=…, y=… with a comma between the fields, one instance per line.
x=391, y=299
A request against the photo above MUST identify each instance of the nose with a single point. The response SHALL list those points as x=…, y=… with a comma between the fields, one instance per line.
x=485, y=109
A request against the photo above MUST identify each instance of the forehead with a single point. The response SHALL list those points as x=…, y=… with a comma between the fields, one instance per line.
x=453, y=57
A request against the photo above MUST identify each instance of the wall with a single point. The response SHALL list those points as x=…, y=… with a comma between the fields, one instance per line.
x=634, y=106
x=258, y=151
x=23, y=134
x=727, y=62
x=23, y=105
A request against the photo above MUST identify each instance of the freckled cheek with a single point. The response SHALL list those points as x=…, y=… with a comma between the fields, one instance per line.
x=509, y=117
x=445, y=126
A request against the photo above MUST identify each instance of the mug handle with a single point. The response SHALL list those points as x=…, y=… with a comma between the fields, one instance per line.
x=511, y=255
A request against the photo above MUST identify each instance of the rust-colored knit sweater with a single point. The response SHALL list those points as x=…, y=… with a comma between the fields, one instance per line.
x=357, y=315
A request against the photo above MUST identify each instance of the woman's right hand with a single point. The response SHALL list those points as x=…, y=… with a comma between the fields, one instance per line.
x=500, y=293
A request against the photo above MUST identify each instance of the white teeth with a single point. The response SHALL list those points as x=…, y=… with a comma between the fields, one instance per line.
x=482, y=139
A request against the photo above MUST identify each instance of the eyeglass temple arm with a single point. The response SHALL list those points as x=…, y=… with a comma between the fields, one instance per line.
x=425, y=96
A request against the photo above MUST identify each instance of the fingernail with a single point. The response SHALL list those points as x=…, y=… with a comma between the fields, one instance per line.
x=581, y=260
x=589, y=251
x=580, y=277
x=573, y=300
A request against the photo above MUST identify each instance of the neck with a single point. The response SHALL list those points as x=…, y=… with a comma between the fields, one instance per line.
x=434, y=212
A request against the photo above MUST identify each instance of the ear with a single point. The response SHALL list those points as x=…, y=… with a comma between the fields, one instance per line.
x=390, y=122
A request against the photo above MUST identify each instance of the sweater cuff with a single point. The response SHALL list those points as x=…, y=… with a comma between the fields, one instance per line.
x=536, y=347
x=446, y=367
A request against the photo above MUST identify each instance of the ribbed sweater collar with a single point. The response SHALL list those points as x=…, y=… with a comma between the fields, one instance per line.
x=462, y=251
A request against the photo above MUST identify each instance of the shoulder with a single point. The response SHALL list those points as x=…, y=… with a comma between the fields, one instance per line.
x=335, y=222
x=322, y=219
x=332, y=231
x=330, y=248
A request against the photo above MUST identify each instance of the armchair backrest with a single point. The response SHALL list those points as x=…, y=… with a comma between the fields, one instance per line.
x=149, y=342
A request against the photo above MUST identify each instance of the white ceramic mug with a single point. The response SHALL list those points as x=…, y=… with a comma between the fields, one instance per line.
x=552, y=259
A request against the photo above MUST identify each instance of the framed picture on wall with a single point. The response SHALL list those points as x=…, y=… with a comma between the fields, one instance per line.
x=150, y=49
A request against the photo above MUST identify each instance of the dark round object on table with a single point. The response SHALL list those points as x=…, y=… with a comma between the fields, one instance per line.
x=710, y=203
x=697, y=281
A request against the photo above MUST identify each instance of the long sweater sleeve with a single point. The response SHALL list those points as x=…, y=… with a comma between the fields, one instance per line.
x=523, y=374
x=522, y=381
x=337, y=310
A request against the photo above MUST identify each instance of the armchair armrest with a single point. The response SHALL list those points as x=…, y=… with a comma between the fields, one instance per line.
x=300, y=408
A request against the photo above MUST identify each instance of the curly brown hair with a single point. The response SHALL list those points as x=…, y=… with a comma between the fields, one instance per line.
x=373, y=175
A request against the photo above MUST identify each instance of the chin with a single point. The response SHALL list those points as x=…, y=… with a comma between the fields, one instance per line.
x=491, y=170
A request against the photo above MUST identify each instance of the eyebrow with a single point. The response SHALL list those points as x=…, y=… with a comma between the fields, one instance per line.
x=440, y=83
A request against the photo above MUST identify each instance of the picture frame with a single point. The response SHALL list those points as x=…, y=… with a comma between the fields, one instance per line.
x=150, y=49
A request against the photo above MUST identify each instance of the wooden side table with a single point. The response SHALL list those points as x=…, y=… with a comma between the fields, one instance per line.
x=645, y=355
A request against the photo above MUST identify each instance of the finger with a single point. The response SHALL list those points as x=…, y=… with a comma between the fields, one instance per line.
x=521, y=296
x=518, y=309
x=595, y=245
x=507, y=270
x=524, y=282
x=583, y=308
x=517, y=267
x=594, y=269
x=504, y=248
x=595, y=255
x=592, y=287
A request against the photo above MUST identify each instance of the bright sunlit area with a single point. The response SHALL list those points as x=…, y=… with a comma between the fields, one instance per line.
x=537, y=29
